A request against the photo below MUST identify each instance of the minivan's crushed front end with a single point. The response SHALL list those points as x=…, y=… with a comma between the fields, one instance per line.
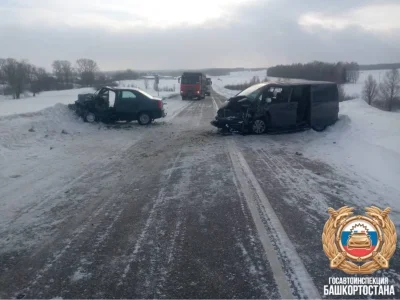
x=231, y=116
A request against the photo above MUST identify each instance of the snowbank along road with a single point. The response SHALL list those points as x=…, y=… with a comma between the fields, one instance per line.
x=176, y=211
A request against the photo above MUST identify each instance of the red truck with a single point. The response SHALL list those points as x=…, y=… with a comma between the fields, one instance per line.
x=193, y=85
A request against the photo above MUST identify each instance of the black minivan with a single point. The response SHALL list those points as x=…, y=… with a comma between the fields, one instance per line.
x=276, y=105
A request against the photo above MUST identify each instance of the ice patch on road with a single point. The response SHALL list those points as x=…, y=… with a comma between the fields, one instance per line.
x=80, y=274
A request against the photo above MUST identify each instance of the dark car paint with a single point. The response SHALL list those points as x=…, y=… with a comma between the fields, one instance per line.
x=124, y=109
x=239, y=111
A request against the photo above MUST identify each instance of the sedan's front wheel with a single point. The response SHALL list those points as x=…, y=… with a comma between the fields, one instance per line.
x=259, y=126
x=89, y=117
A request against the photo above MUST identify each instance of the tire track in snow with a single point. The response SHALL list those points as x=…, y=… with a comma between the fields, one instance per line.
x=254, y=195
x=160, y=200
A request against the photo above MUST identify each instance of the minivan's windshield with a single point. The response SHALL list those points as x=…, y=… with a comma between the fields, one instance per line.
x=251, y=92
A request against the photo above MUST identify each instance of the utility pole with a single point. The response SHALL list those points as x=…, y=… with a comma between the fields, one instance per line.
x=157, y=79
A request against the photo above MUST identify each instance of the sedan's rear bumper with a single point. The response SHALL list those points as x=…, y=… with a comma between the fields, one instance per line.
x=159, y=114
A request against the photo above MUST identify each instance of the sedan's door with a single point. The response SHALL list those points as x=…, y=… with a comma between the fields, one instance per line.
x=127, y=105
x=283, y=112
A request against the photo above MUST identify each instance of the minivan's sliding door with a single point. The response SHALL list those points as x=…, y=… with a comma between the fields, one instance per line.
x=283, y=112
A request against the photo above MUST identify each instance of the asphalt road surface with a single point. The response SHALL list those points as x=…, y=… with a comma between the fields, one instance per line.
x=187, y=213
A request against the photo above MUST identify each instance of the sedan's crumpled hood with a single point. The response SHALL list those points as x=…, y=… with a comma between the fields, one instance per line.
x=85, y=97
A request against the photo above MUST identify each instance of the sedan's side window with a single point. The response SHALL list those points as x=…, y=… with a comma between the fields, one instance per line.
x=128, y=95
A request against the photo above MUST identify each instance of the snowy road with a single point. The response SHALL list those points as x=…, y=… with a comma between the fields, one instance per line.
x=177, y=212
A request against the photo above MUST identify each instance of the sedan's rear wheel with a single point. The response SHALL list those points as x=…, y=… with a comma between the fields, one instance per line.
x=144, y=119
x=259, y=126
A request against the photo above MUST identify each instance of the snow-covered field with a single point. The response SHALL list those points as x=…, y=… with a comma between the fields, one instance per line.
x=219, y=82
x=171, y=84
x=29, y=104
x=354, y=89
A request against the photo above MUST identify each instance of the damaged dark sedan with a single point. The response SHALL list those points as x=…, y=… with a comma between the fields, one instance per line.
x=280, y=106
x=119, y=104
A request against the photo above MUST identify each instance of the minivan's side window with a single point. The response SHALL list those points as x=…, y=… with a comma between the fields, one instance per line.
x=325, y=93
x=128, y=95
x=280, y=94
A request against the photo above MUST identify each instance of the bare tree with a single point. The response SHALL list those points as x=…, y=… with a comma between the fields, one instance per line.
x=370, y=90
x=2, y=63
x=87, y=69
x=63, y=71
x=146, y=83
x=58, y=70
x=39, y=80
x=16, y=74
x=390, y=88
x=353, y=76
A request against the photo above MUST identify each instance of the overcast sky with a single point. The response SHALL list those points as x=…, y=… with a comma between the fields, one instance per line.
x=175, y=34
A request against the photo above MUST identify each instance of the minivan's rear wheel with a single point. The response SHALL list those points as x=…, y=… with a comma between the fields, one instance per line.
x=89, y=117
x=144, y=119
x=319, y=128
x=259, y=126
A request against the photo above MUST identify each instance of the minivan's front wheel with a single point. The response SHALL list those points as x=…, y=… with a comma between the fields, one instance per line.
x=89, y=117
x=144, y=119
x=259, y=126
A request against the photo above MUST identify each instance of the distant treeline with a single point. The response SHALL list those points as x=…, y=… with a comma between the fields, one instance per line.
x=379, y=67
x=18, y=76
x=209, y=71
x=341, y=72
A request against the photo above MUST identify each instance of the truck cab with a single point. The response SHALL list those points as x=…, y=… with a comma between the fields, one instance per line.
x=193, y=85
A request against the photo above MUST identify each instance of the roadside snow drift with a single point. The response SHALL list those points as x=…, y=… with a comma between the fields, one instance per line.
x=364, y=139
x=41, y=101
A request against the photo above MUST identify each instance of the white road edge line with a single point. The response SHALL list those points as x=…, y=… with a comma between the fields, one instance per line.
x=251, y=190
x=272, y=257
x=214, y=103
